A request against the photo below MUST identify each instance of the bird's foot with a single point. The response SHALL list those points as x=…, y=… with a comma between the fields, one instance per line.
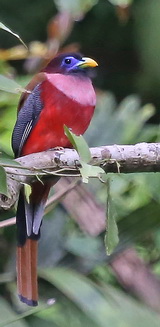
x=57, y=148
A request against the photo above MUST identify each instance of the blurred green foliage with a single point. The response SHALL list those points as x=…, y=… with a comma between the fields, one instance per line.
x=73, y=265
x=125, y=43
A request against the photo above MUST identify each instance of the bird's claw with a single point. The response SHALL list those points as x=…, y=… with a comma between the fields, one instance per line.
x=57, y=148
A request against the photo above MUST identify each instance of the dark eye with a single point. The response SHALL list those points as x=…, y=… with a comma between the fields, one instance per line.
x=67, y=61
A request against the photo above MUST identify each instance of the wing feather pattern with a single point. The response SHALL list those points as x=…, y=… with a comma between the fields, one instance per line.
x=27, y=118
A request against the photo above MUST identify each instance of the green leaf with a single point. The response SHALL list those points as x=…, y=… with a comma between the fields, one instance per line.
x=27, y=191
x=3, y=181
x=132, y=312
x=4, y=161
x=83, y=150
x=81, y=291
x=63, y=314
x=9, y=318
x=79, y=144
x=135, y=225
x=5, y=28
x=111, y=237
x=9, y=85
x=102, y=304
x=89, y=171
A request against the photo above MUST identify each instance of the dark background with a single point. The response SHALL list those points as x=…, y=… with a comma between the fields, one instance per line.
x=127, y=48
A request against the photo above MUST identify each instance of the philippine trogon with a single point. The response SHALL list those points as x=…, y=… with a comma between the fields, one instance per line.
x=61, y=94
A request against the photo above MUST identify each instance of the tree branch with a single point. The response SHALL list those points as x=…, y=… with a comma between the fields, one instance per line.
x=142, y=157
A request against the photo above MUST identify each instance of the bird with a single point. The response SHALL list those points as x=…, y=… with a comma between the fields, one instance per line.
x=61, y=94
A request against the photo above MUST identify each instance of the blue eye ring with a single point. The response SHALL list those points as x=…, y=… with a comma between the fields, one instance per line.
x=68, y=61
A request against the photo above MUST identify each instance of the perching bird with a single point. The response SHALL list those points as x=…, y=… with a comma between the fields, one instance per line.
x=61, y=94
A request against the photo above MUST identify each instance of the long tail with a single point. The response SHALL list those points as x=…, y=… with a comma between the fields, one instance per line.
x=27, y=272
x=29, y=219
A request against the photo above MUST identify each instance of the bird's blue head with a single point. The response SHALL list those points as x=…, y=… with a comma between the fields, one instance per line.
x=70, y=63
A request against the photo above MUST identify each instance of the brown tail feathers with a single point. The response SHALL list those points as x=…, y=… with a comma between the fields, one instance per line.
x=27, y=272
x=29, y=219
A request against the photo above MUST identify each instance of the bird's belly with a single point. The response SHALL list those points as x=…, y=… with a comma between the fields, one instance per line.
x=49, y=131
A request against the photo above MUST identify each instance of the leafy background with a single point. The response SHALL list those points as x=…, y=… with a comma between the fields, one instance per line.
x=74, y=269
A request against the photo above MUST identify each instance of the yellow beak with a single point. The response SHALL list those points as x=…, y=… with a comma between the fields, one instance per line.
x=87, y=62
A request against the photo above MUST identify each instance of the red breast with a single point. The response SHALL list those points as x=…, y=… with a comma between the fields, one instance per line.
x=67, y=100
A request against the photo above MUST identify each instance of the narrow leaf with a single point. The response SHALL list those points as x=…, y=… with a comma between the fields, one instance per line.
x=9, y=162
x=83, y=293
x=5, y=28
x=9, y=85
x=104, y=305
x=89, y=171
x=111, y=237
x=9, y=318
x=83, y=150
x=27, y=191
x=79, y=144
x=3, y=181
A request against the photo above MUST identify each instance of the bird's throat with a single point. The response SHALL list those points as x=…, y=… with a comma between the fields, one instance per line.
x=78, y=88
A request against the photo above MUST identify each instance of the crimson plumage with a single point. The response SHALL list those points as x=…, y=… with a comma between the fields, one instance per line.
x=62, y=94
x=76, y=114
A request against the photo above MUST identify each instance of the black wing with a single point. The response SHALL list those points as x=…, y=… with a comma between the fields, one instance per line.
x=27, y=118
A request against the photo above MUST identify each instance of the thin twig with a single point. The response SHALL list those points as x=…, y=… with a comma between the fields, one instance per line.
x=49, y=205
